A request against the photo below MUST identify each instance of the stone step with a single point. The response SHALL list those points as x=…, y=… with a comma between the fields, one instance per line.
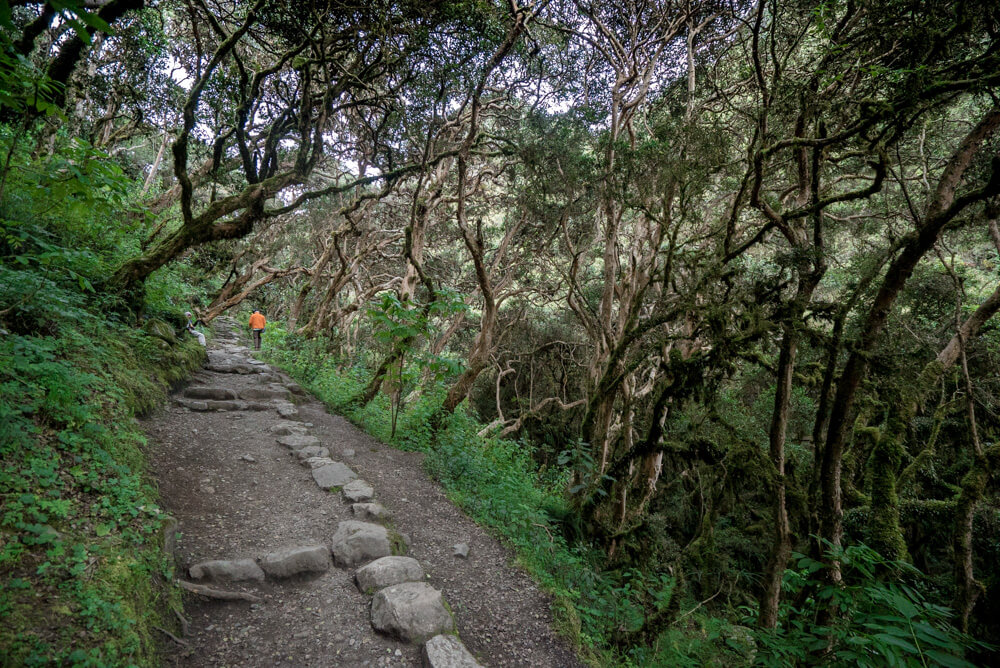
x=219, y=393
x=295, y=560
x=238, y=570
x=297, y=441
x=386, y=572
x=333, y=475
x=413, y=611
x=358, y=491
x=357, y=543
x=447, y=651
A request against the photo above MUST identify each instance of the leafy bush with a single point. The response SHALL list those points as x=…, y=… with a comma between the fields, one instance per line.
x=880, y=621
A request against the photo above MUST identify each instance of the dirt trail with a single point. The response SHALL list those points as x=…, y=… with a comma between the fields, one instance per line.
x=238, y=494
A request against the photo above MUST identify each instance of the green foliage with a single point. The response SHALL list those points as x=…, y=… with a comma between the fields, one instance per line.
x=397, y=324
x=81, y=570
x=878, y=622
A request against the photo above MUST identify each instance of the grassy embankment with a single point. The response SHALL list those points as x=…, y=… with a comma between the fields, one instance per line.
x=82, y=572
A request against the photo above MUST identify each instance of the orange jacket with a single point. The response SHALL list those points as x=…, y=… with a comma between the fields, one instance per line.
x=257, y=321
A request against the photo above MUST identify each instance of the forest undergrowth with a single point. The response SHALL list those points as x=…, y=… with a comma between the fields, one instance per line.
x=83, y=578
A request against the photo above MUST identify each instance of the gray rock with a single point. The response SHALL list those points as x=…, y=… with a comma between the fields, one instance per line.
x=358, y=491
x=333, y=475
x=388, y=571
x=264, y=393
x=295, y=388
x=290, y=561
x=311, y=451
x=316, y=462
x=447, y=651
x=285, y=428
x=249, y=458
x=359, y=542
x=370, y=511
x=461, y=550
x=168, y=534
x=348, y=452
x=288, y=411
x=227, y=405
x=190, y=404
x=298, y=441
x=413, y=611
x=219, y=393
x=234, y=571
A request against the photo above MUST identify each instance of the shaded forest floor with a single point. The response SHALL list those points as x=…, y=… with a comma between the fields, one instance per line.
x=237, y=493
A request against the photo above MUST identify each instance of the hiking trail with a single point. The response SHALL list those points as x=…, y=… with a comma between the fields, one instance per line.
x=324, y=534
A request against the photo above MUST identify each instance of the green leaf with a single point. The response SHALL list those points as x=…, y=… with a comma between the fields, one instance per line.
x=897, y=642
x=947, y=660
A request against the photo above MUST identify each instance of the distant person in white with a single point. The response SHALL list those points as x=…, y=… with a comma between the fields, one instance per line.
x=190, y=328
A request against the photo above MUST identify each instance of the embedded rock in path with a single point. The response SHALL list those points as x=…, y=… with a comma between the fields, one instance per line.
x=298, y=441
x=388, y=571
x=316, y=462
x=230, y=366
x=288, y=411
x=285, y=428
x=370, y=511
x=358, y=491
x=311, y=451
x=447, y=651
x=264, y=393
x=333, y=475
x=359, y=542
x=413, y=611
x=192, y=405
x=290, y=561
x=460, y=550
x=221, y=393
x=235, y=571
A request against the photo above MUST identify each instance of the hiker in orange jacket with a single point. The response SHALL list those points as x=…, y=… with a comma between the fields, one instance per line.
x=257, y=325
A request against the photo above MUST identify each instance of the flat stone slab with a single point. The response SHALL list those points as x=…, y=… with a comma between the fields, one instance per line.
x=413, y=611
x=359, y=542
x=386, y=572
x=288, y=411
x=370, y=511
x=286, y=428
x=216, y=405
x=316, y=462
x=333, y=475
x=447, y=651
x=242, y=369
x=238, y=570
x=358, y=491
x=264, y=393
x=297, y=441
x=192, y=404
x=289, y=561
x=311, y=451
x=220, y=393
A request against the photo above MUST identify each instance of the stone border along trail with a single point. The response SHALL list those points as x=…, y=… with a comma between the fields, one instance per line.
x=338, y=549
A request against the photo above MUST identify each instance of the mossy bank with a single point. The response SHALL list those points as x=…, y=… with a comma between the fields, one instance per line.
x=82, y=568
